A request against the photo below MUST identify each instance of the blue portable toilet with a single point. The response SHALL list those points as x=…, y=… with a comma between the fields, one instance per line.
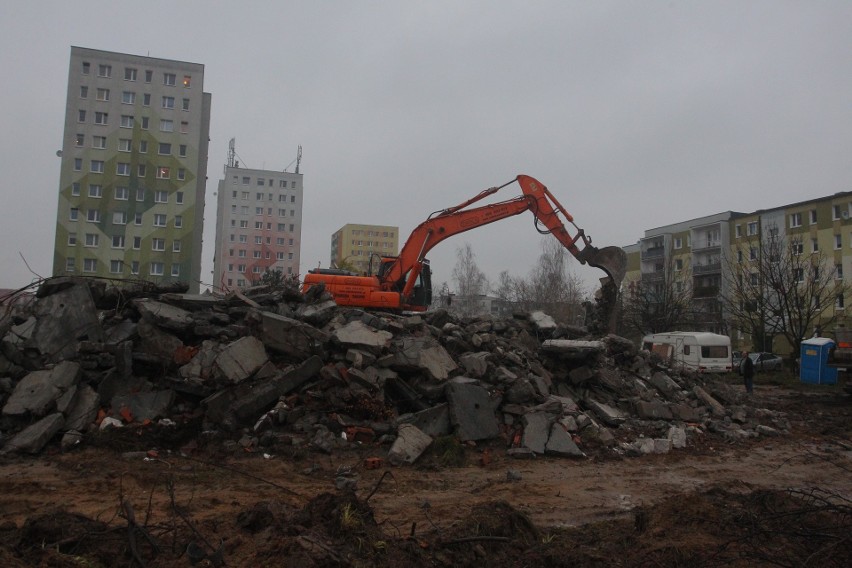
x=813, y=363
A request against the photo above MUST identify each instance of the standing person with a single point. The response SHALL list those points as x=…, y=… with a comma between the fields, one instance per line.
x=748, y=372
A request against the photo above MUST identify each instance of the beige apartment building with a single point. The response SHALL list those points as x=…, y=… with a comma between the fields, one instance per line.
x=359, y=247
x=699, y=253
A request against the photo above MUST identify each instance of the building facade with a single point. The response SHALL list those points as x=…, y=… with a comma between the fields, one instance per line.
x=355, y=245
x=134, y=168
x=701, y=254
x=258, y=227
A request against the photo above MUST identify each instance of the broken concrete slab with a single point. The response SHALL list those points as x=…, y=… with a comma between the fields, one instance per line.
x=611, y=416
x=255, y=401
x=64, y=318
x=536, y=431
x=475, y=364
x=240, y=360
x=287, y=335
x=434, y=421
x=38, y=392
x=424, y=354
x=652, y=410
x=542, y=321
x=358, y=335
x=572, y=349
x=472, y=411
x=34, y=437
x=715, y=406
x=560, y=443
x=164, y=315
x=83, y=410
x=409, y=445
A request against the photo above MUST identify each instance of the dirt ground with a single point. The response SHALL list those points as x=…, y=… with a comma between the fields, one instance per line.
x=783, y=501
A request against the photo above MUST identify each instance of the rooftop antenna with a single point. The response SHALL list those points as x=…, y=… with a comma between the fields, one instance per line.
x=232, y=151
x=298, y=158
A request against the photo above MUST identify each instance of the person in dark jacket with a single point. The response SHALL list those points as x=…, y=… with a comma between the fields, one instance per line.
x=748, y=372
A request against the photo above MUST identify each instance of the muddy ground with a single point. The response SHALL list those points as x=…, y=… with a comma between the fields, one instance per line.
x=130, y=498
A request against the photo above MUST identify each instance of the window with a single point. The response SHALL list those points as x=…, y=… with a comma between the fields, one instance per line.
x=137, y=243
x=158, y=244
x=99, y=142
x=839, y=302
x=678, y=264
x=814, y=245
x=797, y=247
x=90, y=265
x=97, y=167
x=243, y=238
x=81, y=116
x=129, y=74
x=812, y=215
x=149, y=75
x=104, y=70
x=119, y=218
x=73, y=214
x=181, y=174
x=185, y=104
x=122, y=193
x=258, y=224
x=157, y=268
x=93, y=215
x=261, y=182
x=167, y=126
x=258, y=210
x=126, y=121
x=169, y=79
x=118, y=241
x=245, y=195
x=79, y=140
x=140, y=194
x=176, y=270
x=146, y=99
x=101, y=118
x=751, y=229
x=182, y=150
x=141, y=170
x=838, y=242
x=115, y=266
x=187, y=80
x=78, y=164
x=178, y=221
x=92, y=239
x=184, y=127
x=838, y=271
x=163, y=172
x=279, y=256
x=128, y=97
x=164, y=148
x=102, y=94
x=86, y=67
x=159, y=220
x=795, y=220
x=256, y=254
x=241, y=253
x=75, y=189
x=176, y=245
x=799, y=274
x=243, y=224
x=72, y=239
x=134, y=267
x=137, y=218
x=161, y=197
x=168, y=102
x=122, y=169
x=125, y=145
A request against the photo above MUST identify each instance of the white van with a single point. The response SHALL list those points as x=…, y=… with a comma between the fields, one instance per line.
x=696, y=350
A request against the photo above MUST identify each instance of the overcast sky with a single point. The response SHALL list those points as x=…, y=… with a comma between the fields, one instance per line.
x=634, y=114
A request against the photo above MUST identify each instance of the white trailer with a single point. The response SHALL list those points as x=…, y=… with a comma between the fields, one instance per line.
x=699, y=351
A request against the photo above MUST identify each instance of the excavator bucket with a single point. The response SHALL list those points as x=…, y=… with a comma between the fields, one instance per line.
x=611, y=260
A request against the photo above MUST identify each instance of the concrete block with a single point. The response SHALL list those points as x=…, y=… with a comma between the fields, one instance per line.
x=472, y=411
x=240, y=359
x=34, y=437
x=409, y=445
x=38, y=392
x=561, y=443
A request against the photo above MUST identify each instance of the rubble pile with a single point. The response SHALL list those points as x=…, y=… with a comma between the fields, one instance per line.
x=272, y=367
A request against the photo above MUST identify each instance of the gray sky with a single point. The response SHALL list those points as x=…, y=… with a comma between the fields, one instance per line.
x=634, y=114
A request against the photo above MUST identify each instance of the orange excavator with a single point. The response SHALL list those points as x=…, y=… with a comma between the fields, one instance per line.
x=404, y=282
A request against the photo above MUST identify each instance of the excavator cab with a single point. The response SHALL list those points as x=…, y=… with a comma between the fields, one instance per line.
x=422, y=294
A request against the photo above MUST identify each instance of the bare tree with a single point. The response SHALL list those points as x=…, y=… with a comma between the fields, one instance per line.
x=471, y=282
x=659, y=301
x=776, y=288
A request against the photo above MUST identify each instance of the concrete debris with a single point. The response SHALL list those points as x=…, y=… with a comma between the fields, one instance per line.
x=269, y=367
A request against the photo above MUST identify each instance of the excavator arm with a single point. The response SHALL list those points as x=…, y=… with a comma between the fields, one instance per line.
x=400, y=274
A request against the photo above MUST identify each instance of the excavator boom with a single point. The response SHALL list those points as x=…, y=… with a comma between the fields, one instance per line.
x=396, y=284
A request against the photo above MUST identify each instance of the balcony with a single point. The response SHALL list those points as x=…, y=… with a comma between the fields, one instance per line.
x=654, y=252
x=699, y=246
x=653, y=276
x=707, y=268
x=705, y=292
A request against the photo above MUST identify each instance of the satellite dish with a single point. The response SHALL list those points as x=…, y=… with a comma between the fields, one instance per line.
x=59, y=153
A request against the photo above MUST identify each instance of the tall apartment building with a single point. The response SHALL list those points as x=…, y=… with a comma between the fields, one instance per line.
x=703, y=250
x=134, y=168
x=355, y=245
x=258, y=227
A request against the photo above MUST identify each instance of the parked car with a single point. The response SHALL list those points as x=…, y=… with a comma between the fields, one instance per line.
x=736, y=359
x=764, y=361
